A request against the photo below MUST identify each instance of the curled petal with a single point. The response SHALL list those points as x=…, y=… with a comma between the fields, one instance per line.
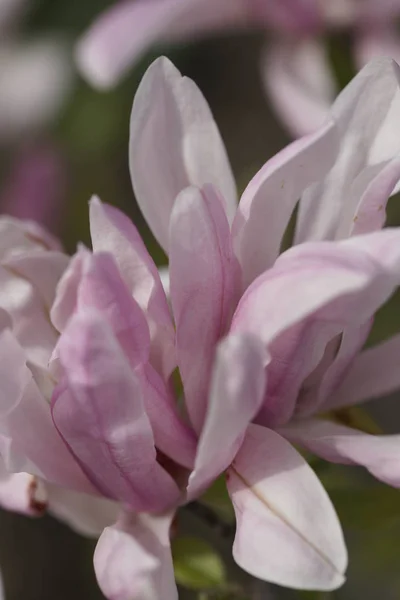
x=237, y=390
x=113, y=232
x=287, y=529
x=380, y=454
x=101, y=416
x=204, y=278
x=133, y=559
x=366, y=113
x=271, y=196
x=174, y=143
x=338, y=285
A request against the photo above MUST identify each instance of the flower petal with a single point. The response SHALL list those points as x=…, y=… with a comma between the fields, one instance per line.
x=373, y=373
x=203, y=275
x=338, y=285
x=101, y=416
x=297, y=77
x=380, y=454
x=366, y=113
x=133, y=559
x=113, y=232
x=87, y=515
x=174, y=143
x=123, y=33
x=237, y=390
x=270, y=198
x=22, y=493
x=25, y=420
x=287, y=529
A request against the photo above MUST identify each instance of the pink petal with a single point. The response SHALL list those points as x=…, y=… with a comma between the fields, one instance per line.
x=269, y=200
x=298, y=79
x=113, y=232
x=22, y=493
x=373, y=373
x=171, y=435
x=296, y=16
x=204, y=278
x=101, y=416
x=124, y=32
x=237, y=390
x=379, y=454
x=287, y=529
x=174, y=143
x=377, y=38
x=93, y=282
x=338, y=285
x=25, y=419
x=366, y=113
x=374, y=188
x=18, y=236
x=85, y=514
x=31, y=324
x=133, y=559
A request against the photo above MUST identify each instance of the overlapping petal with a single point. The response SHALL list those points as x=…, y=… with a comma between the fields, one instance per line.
x=100, y=413
x=174, y=143
x=287, y=529
x=204, y=284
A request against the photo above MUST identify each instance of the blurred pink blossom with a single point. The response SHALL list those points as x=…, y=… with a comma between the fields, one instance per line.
x=264, y=343
x=295, y=66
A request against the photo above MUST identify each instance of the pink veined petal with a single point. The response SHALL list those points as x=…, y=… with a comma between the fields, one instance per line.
x=25, y=419
x=372, y=374
x=174, y=143
x=204, y=284
x=124, y=32
x=297, y=78
x=113, y=232
x=101, y=416
x=236, y=392
x=87, y=515
x=171, y=435
x=93, y=281
x=22, y=493
x=287, y=529
x=133, y=559
x=380, y=454
x=366, y=113
x=270, y=198
x=338, y=285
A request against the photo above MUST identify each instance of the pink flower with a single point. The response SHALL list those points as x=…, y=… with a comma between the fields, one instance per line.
x=263, y=343
x=295, y=67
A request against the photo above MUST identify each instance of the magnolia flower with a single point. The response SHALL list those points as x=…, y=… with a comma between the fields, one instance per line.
x=295, y=68
x=264, y=344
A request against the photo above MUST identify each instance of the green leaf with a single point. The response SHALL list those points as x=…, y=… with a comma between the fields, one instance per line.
x=197, y=565
x=217, y=498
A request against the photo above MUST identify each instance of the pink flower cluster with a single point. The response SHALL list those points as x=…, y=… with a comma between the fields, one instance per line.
x=265, y=343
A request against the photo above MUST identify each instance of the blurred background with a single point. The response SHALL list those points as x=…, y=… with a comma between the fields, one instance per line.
x=62, y=141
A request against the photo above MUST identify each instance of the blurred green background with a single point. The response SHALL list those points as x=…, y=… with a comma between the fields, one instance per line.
x=42, y=559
